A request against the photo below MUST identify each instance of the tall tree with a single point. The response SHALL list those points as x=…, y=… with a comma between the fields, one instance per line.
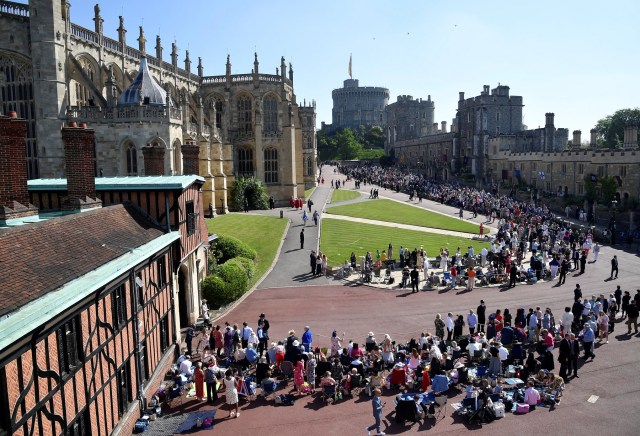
x=611, y=129
x=348, y=145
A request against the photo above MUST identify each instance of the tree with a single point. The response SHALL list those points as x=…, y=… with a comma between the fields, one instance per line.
x=610, y=130
x=348, y=145
x=608, y=189
x=589, y=189
x=253, y=190
x=327, y=146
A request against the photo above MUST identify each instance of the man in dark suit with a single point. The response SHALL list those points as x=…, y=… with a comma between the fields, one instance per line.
x=574, y=350
x=564, y=357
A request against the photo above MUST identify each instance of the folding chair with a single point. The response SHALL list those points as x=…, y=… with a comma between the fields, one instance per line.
x=329, y=391
x=286, y=368
x=377, y=278
x=269, y=389
x=387, y=276
x=440, y=406
x=447, y=278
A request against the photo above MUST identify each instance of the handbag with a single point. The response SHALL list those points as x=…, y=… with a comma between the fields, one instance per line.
x=522, y=408
x=498, y=409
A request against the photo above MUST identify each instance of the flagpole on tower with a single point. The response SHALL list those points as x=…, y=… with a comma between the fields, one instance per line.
x=350, y=63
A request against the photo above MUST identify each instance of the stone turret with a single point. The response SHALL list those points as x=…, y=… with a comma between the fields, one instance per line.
x=98, y=20
x=142, y=42
x=122, y=33
x=158, y=48
x=577, y=138
x=200, y=67
x=187, y=62
x=174, y=54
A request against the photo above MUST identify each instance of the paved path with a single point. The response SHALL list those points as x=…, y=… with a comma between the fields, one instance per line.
x=293, y=266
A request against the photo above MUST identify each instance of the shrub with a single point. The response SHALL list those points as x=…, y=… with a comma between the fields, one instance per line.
x=247, y=265
x=216, y=291
x=228, y=247
x=252, y=190
x=235, y=278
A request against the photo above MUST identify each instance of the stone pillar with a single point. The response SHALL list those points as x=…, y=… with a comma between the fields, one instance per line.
x=577, y=138
x=14, y=197
x=79, y=156
x=153, y=160
x=190, y=158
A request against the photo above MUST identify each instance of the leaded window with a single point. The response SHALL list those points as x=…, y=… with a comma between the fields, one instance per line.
x=271, y=165
x=245, y=126
x=132, y=160
x=245, y=162
x=270, y=114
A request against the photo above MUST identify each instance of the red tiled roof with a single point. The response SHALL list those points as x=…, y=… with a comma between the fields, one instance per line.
x=38, y=258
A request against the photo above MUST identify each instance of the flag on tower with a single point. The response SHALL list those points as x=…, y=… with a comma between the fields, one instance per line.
x=350, y=75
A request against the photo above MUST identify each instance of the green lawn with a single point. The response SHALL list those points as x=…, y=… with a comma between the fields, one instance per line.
x=308, y=192
x=262, y=233
x=394, y=212
x=339, y=238
x=339, y=195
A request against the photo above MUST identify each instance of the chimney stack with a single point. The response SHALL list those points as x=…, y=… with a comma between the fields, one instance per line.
x=435, y=127
x=153, y=160
x=549, y=119
x=577, y=138
x=630, y=136
x=461, y=96
x=444, y=126
x=14, y=197
x=190, y=158
x=593, y=141
x=79, y=157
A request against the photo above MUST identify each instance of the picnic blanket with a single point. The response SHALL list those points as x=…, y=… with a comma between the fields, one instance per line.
x=189, y=424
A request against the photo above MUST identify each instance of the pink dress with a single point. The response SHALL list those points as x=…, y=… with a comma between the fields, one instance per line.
x=298, y=374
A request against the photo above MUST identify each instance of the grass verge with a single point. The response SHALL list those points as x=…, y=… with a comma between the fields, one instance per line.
x=262, y=233
x=340, y=238
x=308, y=192
x=339, y=195
x=394, y=212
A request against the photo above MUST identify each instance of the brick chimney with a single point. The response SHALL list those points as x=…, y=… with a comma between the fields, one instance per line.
x=79, y=157
x=190, y=158
x=14, y=197
x=153, y=160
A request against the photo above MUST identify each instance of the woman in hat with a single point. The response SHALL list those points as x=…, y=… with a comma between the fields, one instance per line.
x=370, y=342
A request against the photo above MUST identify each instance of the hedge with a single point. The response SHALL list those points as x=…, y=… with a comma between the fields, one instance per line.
x=228, y=247
x=229, y=284
x=247, y=265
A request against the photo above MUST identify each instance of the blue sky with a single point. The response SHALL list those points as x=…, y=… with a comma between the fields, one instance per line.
x=578, y=59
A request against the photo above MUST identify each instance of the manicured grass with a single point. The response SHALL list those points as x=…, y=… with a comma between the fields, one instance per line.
x=308, y=192
x=339, y=195
x=339, y=238
x=394, y=212
x=262, y=233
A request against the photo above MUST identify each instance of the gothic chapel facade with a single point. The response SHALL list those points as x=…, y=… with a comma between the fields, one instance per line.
x=220, y=127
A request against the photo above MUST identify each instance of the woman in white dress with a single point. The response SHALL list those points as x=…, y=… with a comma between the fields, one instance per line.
x=443, y=260
x=231, y=393
x=425, y=266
